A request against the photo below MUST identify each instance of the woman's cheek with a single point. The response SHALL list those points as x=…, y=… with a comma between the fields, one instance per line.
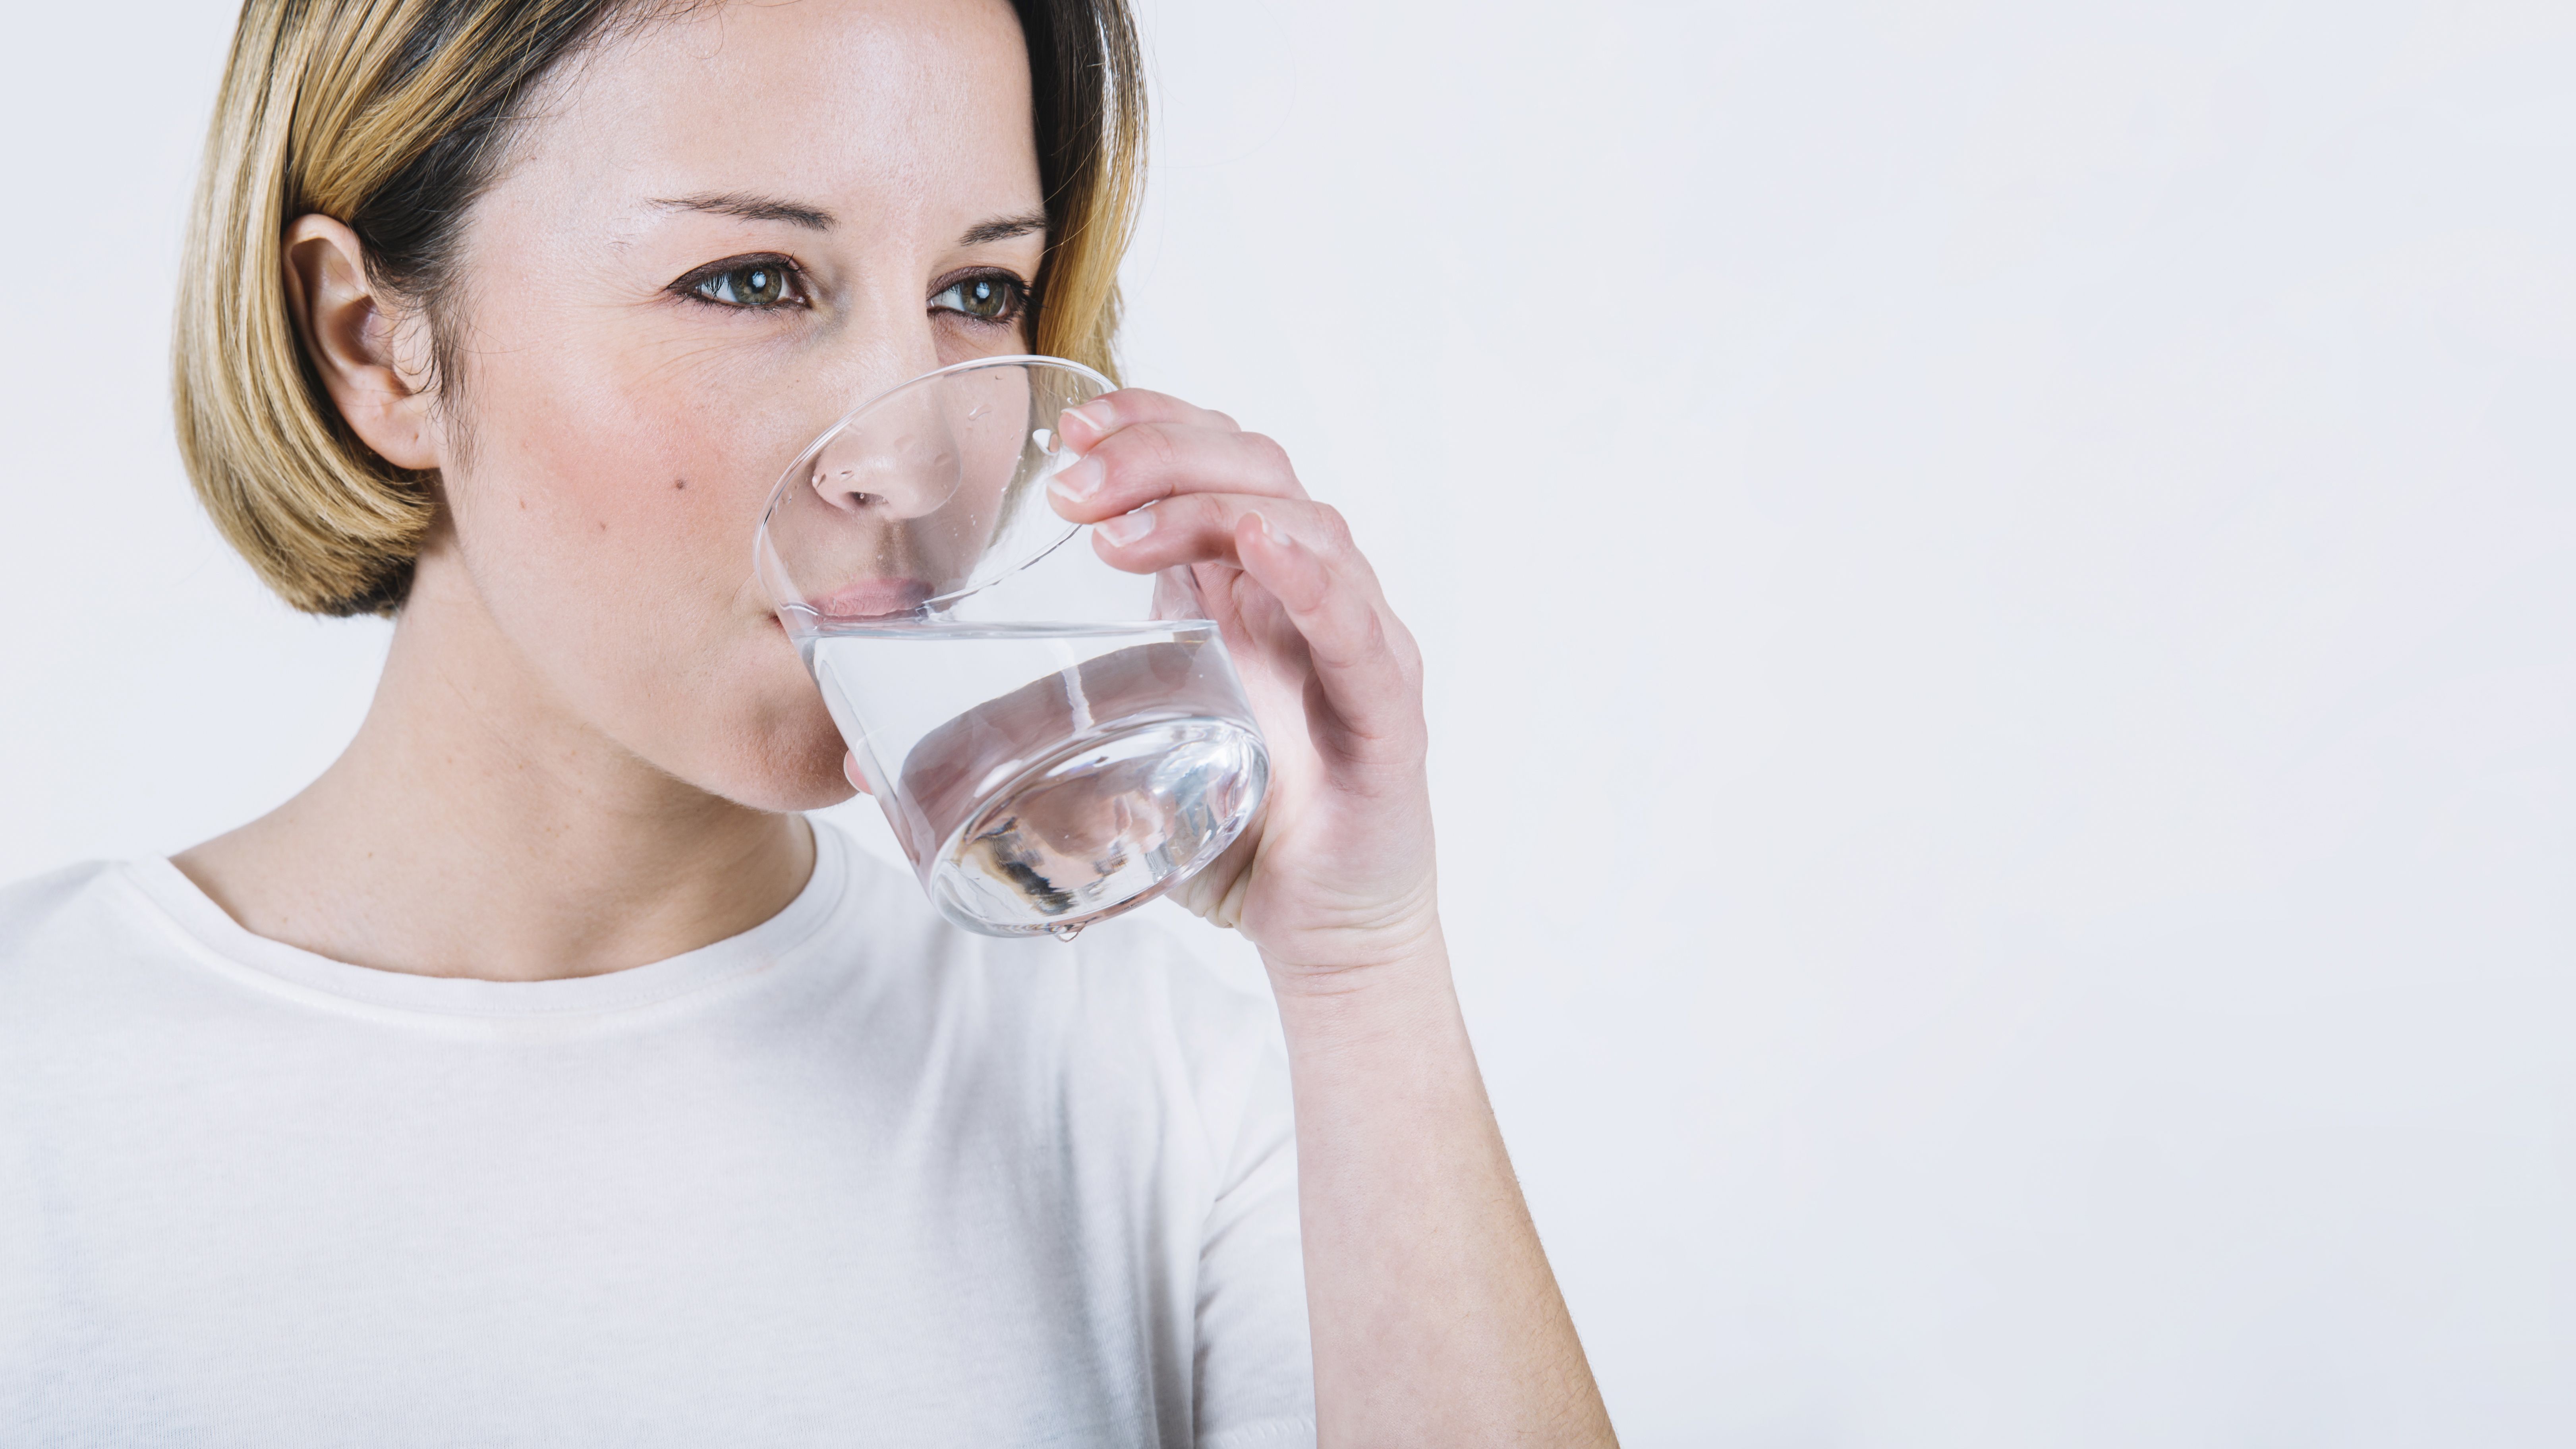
x=610, y=525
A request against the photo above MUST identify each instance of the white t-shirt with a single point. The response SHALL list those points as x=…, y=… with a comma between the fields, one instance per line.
x=851, y=1177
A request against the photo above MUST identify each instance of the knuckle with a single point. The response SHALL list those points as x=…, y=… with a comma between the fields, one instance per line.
x=1139, y=450
x=1197, y=511
x=1332, y=530
x=1267, y=453
x=1400, y=641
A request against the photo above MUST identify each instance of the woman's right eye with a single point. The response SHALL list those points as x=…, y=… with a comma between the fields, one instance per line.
x=766, y=283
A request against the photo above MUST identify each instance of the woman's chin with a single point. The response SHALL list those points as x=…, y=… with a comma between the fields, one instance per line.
x=776, y=764
x=772, y=748
x=805, y=780
x=795, y=802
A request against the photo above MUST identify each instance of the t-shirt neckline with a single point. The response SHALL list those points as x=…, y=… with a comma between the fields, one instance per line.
x=214, y=937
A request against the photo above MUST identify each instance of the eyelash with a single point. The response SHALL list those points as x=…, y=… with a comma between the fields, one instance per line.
x=694, y=288
x=1022, y=296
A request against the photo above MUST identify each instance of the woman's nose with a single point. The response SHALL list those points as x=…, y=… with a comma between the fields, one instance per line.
x=902, y=460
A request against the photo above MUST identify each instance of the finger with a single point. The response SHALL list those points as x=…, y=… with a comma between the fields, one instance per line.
x=850, y=772
x=1084, y=427
x=1364, y=663
x=1202, y=528
x=1146, y=461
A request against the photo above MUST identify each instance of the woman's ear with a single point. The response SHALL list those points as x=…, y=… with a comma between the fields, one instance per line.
x=354, y=340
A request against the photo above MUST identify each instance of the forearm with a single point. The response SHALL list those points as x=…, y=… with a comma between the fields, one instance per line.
x=1436, y=1319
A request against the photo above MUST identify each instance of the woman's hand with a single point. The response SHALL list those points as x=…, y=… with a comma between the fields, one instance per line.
x=1337, y=874
x=1435, y=1319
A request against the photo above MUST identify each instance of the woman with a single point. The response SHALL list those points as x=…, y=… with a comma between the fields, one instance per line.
x=539, y=1075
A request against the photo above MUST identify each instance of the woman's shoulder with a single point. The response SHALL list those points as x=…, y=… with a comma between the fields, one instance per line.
x=80, y=951
x=1153, y=957
x=76, y=902
x=1149, y=988
x=1193, y=971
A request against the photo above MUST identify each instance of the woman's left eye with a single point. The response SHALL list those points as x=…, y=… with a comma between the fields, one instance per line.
x=755, y=284
x=986, y=298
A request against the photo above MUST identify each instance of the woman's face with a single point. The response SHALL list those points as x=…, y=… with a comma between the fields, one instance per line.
x=724, y=231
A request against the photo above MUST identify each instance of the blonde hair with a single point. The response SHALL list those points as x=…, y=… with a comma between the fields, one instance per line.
x=392, y=116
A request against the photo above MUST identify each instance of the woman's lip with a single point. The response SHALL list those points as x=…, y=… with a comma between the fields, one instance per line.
x=873, y=599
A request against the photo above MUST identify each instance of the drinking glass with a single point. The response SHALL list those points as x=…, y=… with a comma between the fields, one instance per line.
x=1053, y=740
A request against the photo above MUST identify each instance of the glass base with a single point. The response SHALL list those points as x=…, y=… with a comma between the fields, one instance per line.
x=1101, y=827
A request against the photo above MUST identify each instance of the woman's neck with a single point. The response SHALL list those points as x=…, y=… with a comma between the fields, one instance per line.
x=476, y=827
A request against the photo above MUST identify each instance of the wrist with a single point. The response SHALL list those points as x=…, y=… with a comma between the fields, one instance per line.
x=1331, y=958
x=1393, y=983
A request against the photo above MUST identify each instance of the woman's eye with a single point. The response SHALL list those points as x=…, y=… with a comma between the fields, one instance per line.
x=986, y=299
x=758, y=284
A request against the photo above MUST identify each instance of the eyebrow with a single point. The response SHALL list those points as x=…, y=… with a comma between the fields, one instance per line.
x=753, y=208
x=1003, y=229
x=770, y=208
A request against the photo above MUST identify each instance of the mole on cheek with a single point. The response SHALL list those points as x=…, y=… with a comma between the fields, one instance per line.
x=679, y=483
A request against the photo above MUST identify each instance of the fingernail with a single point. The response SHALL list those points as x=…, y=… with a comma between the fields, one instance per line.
x=1261, y=521
x=1126, y=528
x=1078, y=481
x=1093, y=415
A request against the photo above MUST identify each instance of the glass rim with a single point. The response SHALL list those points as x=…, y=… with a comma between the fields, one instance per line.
x=972, y=364
x=763, y=550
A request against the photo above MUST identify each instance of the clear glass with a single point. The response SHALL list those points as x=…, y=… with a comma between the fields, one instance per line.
x=1054, y=741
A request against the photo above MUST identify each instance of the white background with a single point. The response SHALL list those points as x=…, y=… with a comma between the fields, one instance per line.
x=1998, y=580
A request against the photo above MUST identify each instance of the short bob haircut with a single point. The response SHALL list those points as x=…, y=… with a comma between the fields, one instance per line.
x=392, y=116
